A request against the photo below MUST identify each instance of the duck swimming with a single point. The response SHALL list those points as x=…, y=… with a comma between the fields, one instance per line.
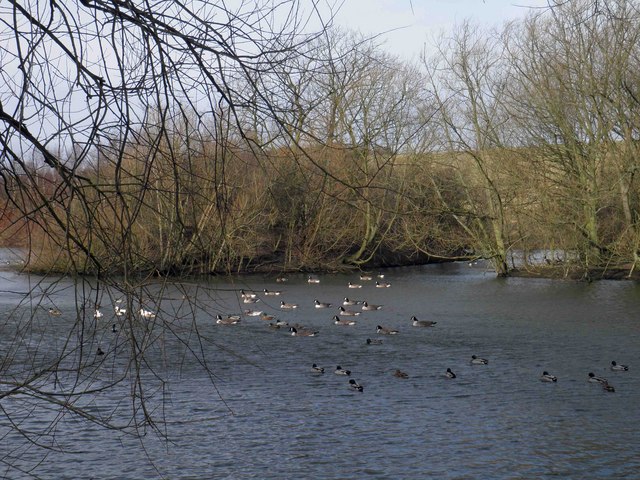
x=316, y=369
x=338, y=321
x=594, y=379
x=341, y=371
x=226, y=321
x=374, y=342
x=547, y=377
x=386, y=331
x=400, y=374
x=616, y=367
x=353, y=385
x=370, y=307
x=422, y=323
x=478, y=361
x=303, y=332
x=449, y=374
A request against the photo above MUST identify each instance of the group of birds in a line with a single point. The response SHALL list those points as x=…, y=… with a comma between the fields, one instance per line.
x=300, y=331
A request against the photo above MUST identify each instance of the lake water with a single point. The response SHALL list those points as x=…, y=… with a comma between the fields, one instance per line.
x=264, y=414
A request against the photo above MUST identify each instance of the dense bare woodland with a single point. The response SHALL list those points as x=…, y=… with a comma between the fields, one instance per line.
x=180, y=139
x=168, y=142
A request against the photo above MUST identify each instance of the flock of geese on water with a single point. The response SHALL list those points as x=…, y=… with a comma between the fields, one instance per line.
x=300, y=331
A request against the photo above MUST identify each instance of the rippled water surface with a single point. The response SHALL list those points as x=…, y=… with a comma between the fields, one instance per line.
x=265, y=415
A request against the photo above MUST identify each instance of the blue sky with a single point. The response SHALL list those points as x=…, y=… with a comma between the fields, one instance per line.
x=416, y=22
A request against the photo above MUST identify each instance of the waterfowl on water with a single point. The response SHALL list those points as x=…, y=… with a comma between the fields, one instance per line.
x=616, y=367
x=244, y=294
x=312, y=279
x=400, y=374
x=341, y=371
x=227, y=321
x=97, y=314
x=272, y=293
x=55, y=312
x=594, y=379
x=338, y=321
x=365, y=277
x=266, y=317
x=99, y=351
x=250, y=300
x=386, y=331
x=288, y=306
x=422, y=323
x=302, y=332
x=449, y=374
x=347, y=313
x=120, y=311
x=374, y=341
x=282, y=279
x=319, y=304
x=347, y=302
x=316, y=369
x=353, y=385
x=547, y=377
x=354, y=285
x=114, y=328
x=382, y=285
x=146, y=313
x=478, y=361
x=281, y=323
x=253, y=313
x=367, y=307
x=608, y=388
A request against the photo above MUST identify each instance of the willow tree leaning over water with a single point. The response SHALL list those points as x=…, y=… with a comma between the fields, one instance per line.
x=94, y=96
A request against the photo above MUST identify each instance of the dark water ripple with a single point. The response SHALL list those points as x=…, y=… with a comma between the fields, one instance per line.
x=268, y=417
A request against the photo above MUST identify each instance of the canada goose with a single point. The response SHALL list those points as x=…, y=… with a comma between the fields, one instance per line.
x=341, y=371
x=346, y=302
x=353, y=385
x=347, y=313
x=319, y=304
x=146, y=313
x=55, y=312
x=288, y=306
x=312, y=279
x=449, y=374
x=400, y=374
x=382, y=285
x=593, y=379
x=365, y=277
x=272, y=293
x=316, y=369
x=478, y=361
x=226, y=321
x=367, y=307
x=374, y=341
x=422, y=323
x=616, y=367
x=302, y=332
x=354, y=285
x=244, y=294
x=547, y=377
x=337, y=321
x=386, y=331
